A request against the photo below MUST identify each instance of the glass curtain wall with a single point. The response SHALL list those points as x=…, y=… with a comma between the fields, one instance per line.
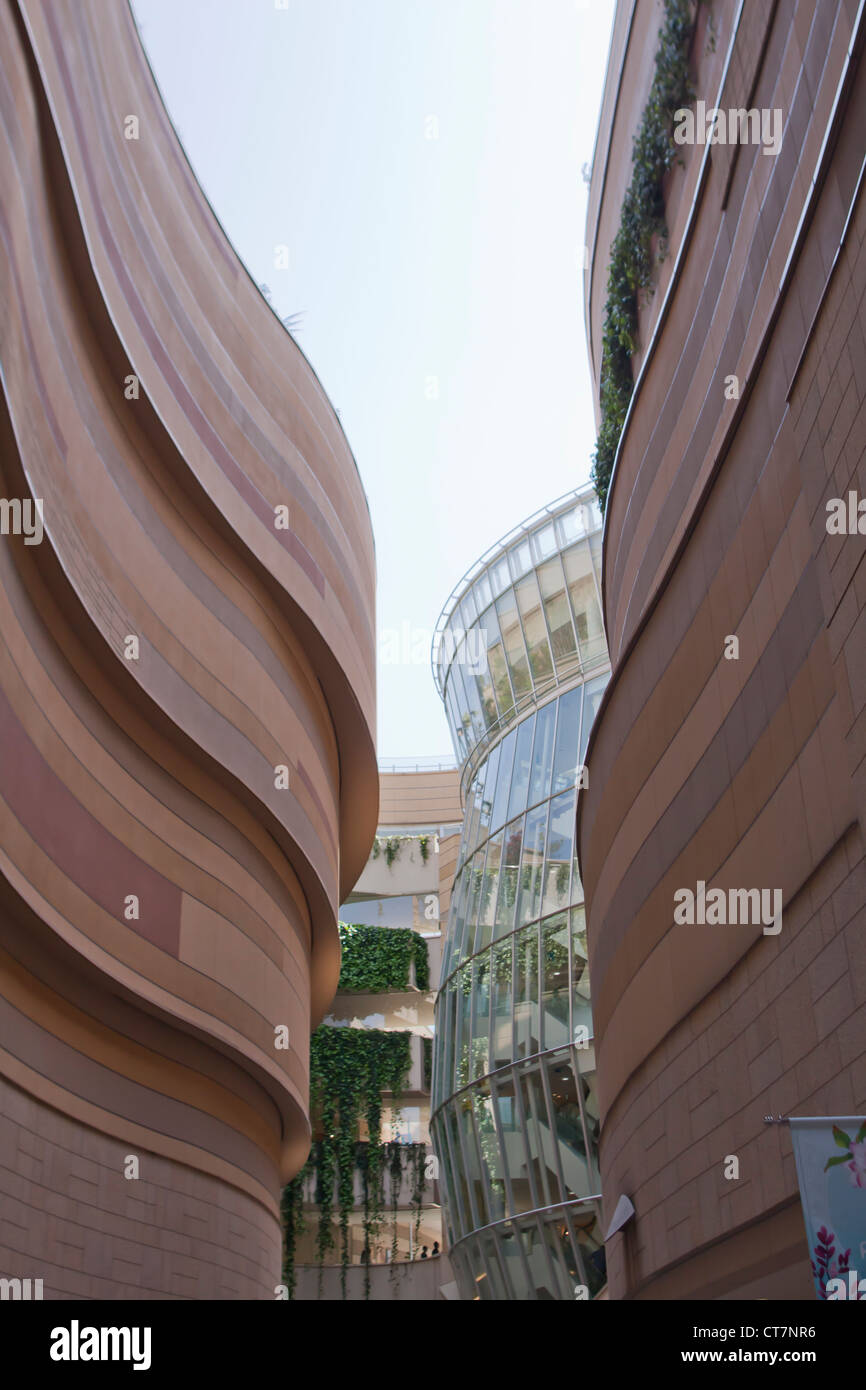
x=515, y=1113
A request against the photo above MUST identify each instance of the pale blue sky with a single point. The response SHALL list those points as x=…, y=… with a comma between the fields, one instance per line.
x=456, y=257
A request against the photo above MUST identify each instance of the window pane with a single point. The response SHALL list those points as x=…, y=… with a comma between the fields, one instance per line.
x=500, y=1052
x=464, y=1019
x=584, y=603
x=508, y=1117
x=580, y=1001
x=446, y=1075
x=560, y=838
x=499, y=576
x=535, y=630
x=456, y=915
x=571, y=525
x=531, y=868
x=589, y=1104
x=522, y=761
x=461, y=704
x=557, y=1239
x=526, y=993
x=503, y=782
x=472, y=901
x=520, y=558
x=454, y=720
x=509, y=1249
x=512, y=636
x=480, y=1017
x=470, y=912
x=544, y=541
x=555, y=981
x=473, y=802
x=542, y=754
x=539, y=1266
x=482, y=592
x=489, y=793
x=491, y=1265
x=506, y=903
x=488, y=1143
x=463, y=1215
x=470, y=685
x=484, y=687
x=594, y=691
x=567, y=740
x=487, y=905
x=570, y=1141
x=473, y=1162
x=590, y=1246
x=501, y=681
x=487, y=648
x=556, y=607
x=542, y=1157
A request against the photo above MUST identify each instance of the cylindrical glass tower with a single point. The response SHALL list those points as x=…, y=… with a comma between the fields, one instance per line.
x=520, y=660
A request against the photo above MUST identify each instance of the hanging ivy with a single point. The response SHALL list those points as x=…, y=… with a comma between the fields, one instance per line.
x=395, y=1175
x=350, y=1069
x=391, y=845
x=294, y=1224
x=428, y=1062
x=418, y=1167
x=630, y=271
x=378, y=959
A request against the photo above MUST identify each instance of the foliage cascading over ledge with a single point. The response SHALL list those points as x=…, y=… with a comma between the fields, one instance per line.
x=391, y=845
x=378, y=959
x=642, y=218
x=350, y=1068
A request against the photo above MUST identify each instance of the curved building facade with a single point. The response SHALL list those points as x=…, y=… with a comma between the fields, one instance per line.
x=188, y=785
x=521, y=664
x=729, y=748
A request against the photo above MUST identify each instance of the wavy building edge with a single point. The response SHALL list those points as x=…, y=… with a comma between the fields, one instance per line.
x=737, y=766
x=188, y=784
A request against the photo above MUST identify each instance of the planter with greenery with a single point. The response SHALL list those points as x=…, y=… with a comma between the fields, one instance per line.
x=350, y=1069
x=642, y=229
x=379, y=959
x=391, y=846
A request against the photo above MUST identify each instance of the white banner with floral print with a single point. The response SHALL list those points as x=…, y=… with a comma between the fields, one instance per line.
x=831, y=1168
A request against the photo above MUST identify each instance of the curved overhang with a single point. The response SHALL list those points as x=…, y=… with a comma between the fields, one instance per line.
x=162, y=414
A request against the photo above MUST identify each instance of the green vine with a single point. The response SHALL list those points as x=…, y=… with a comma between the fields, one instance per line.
x=428, y=1062
x=395, y=1174
x=294, y=1224
x=391, y=845
x=630, y=271
x=378, y=959
x=350, y=1068
x=418, y=1164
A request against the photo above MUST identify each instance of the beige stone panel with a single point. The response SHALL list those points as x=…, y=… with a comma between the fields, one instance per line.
x=215, y=947
x=198, y=1159
x=128, y=1058
x=171, y=987
x=45, y=718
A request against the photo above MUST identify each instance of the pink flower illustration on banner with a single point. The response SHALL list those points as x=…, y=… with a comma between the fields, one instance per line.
x=857, y=1166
